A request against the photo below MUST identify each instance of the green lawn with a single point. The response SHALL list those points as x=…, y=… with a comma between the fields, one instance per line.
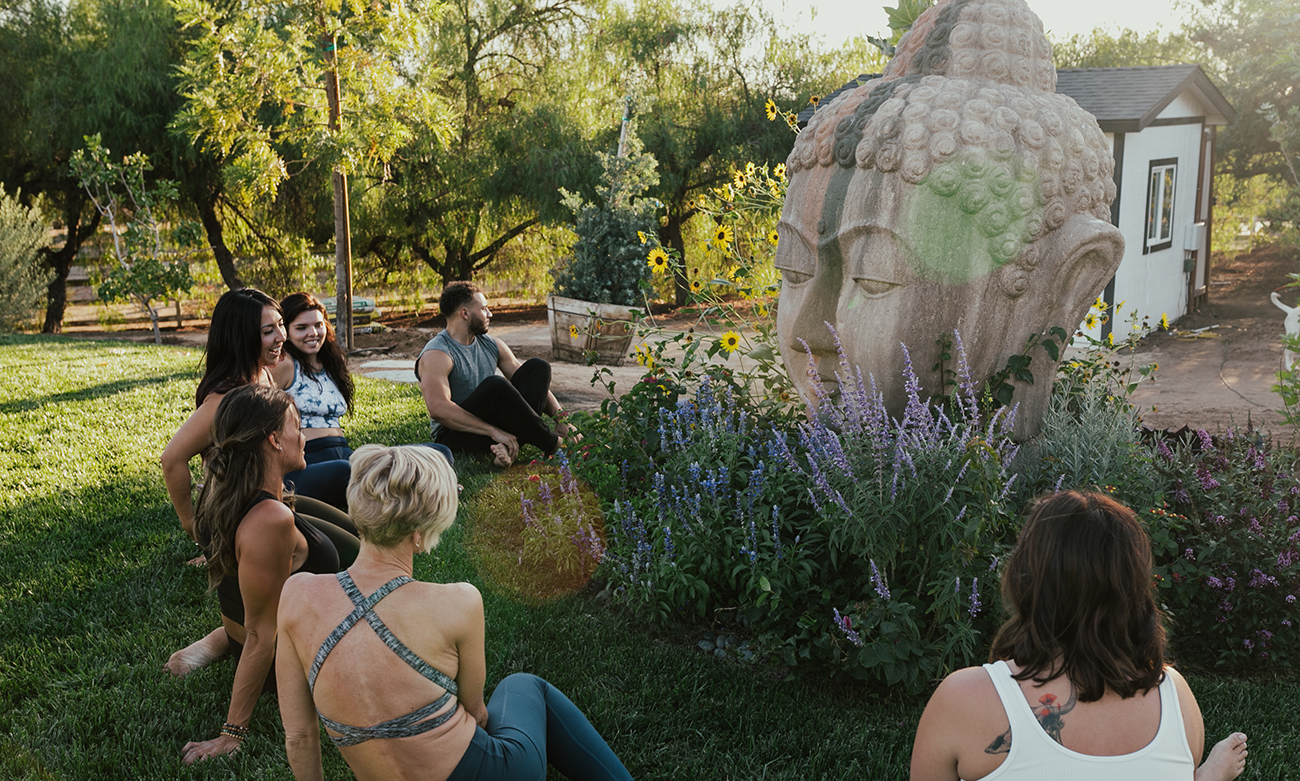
x=94, y=595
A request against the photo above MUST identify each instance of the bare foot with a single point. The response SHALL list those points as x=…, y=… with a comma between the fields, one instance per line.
x=1226, y=760
x=201, y=653
x=198, y=561
x=501, y=456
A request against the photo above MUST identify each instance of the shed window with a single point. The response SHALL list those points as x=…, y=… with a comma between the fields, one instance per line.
x=1160, y=205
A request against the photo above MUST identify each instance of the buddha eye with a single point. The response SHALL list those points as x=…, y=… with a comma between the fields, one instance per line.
x=795, y=258
x=878, y=262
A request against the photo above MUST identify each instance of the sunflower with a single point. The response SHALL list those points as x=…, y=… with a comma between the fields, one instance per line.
x=814, y=99
x=641, y=236
x=730, y=341
x=779, y=170
x=772, y=237
x=1164, y=322
x=1090, y=321
x=750, y=169
x=573, y=332
x=657, y=260
x=738, y=181
x=770, y=108
x=724, y=235
x=1099, y=305
x=696, y=286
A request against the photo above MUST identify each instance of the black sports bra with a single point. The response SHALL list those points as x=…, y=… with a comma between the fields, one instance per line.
x=322, y=559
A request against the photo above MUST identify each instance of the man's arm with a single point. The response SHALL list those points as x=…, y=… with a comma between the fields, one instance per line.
x=434, y=369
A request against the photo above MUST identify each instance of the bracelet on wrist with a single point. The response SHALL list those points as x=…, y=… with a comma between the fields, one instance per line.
x=234, y=731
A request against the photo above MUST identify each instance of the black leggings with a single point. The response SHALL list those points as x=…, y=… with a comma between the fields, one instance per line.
x=334, y=524
x=514, y=406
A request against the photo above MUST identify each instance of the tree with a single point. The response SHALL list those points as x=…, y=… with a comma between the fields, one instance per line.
x=277, y=87
x=1126, y=48
x=518, y=135
x=151, y=265
x=84, y=67
x=22, y=235
x=701, y=80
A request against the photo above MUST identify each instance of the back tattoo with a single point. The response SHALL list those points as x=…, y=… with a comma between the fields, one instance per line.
x=1048, y=712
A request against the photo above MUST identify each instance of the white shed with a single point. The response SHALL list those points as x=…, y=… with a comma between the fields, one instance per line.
x=1160, y=121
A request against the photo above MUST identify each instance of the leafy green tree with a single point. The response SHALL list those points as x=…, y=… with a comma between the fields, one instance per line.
x=1126, y=48
x=901, y=19
x=22, y=235
x=518, y=134
x=701, y=79
x=276, y=87
x=151, y=261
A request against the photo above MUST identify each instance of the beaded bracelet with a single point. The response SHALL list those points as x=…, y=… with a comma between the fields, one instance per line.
x=234, y=731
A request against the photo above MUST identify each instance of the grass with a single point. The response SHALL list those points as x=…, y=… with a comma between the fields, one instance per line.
x=94, y=595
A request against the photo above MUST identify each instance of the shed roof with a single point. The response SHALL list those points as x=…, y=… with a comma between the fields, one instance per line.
x=1124, y=100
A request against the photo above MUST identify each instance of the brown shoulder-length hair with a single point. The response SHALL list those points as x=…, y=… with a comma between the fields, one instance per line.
x=331, y=355
x=235, y=469
x=1082, y=599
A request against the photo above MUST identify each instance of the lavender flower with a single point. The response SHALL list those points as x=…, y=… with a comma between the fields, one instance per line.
x=1286, y=558
x=1208, y=483
x=1207, y=443
x=1057, y=488
x=846, y=626
x=668, y=544
x=776, y=533
x=878, y=581
x=1258, y=579
x=975, y=603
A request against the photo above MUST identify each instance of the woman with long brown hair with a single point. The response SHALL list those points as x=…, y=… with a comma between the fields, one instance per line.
x=254, y=541
x=1077, y=685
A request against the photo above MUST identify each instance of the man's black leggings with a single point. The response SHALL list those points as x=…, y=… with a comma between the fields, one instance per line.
x=513, y=405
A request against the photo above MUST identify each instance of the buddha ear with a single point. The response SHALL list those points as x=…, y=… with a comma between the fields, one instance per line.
x=1090, y=251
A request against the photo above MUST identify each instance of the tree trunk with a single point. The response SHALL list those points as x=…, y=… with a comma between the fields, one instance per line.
x=207, y=204
x=670, y=235
x=342, y=219
x=61, y=261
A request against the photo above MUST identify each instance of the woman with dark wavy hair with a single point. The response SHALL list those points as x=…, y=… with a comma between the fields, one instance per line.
x=254, y=541
x=245, y=342
x=1077, y=685
x=316, y=376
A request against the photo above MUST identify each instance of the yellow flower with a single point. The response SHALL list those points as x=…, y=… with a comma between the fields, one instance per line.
x=696, y=286
x=814, y=99
x=1164, y=322
x=1099, y=305
x=738, y=181
x=573, y=332
x=641, y=236
x=644, y=357
x=724, y=235
x=1110, y=338
x=779, y=170
x=1090, y=321
x=657, y=260
x=730, y=341
x=770, y=108
x=761, y=310
x=750, y=169
x=772, y=237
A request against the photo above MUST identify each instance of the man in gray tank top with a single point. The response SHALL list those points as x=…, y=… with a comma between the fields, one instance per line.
x=474, y=409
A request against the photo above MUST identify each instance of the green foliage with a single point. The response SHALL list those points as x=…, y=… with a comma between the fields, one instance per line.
x=1226, y=546
x=1125, y=49
x=151, y=260
x=609, y=258
x=22, y=281
x=901, y=20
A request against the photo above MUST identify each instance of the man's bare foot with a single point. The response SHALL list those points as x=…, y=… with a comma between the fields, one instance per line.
x=501, y=456
x=198, y=561
x=199, y=654
x=1226, y=760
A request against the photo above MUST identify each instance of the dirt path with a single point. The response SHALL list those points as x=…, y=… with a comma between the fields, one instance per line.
x=1222, y=376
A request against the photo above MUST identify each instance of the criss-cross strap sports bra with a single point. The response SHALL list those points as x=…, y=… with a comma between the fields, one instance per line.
x=417, y=721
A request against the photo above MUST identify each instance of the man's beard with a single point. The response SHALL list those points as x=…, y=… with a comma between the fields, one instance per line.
x=478, y=326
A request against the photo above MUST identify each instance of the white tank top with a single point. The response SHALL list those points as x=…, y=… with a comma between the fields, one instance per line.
x=1034, y=755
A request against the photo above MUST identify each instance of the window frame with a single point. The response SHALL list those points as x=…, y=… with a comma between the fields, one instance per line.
x=1156, y=207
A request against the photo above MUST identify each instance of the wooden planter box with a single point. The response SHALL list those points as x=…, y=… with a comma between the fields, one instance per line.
x=581, y=329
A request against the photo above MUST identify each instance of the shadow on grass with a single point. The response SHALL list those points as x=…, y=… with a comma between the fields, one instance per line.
x=90, y=393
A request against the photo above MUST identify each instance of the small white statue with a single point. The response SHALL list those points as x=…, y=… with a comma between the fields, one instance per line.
x=1292, y=325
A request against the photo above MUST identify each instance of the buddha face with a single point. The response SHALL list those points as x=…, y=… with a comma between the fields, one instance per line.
x=885, y=263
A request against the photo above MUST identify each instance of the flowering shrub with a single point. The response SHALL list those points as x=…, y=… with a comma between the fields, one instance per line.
x=828, y=538
x=537, y=532
x=1226, y=546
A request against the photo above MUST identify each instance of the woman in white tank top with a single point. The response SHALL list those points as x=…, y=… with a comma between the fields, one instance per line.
x=1077, y=688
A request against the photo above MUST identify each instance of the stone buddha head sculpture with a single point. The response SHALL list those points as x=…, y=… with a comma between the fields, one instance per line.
x=956, y=192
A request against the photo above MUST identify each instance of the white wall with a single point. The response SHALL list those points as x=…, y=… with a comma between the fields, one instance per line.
x=1154, y=284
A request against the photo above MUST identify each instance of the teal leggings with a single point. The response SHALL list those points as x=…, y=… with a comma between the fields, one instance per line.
x=531, y=723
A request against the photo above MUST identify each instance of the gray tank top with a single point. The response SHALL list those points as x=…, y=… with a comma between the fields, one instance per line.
x=471, y=364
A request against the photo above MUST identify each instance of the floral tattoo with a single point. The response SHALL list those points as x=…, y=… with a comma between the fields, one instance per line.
x=1048, y=712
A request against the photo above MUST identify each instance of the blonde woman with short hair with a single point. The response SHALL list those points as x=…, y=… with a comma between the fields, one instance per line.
x=395, y=667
